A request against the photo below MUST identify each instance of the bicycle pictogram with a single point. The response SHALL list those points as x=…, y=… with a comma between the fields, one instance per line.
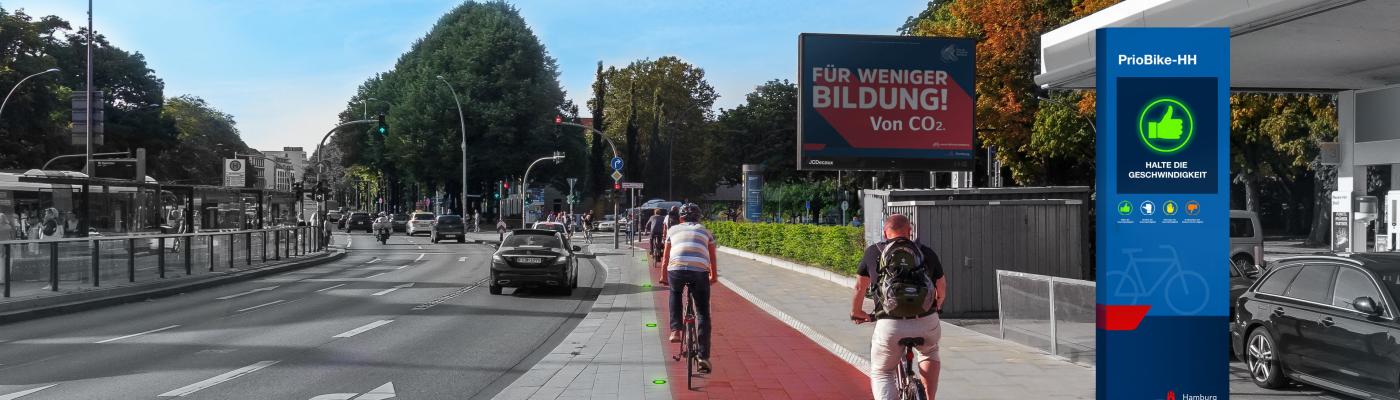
x=1186, y=292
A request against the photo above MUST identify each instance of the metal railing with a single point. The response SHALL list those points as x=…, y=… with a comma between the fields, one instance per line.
x=29, y=267
x=1049, y=313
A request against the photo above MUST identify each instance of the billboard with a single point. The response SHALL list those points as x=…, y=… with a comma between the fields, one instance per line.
x=1162, y=232
x=885, y=103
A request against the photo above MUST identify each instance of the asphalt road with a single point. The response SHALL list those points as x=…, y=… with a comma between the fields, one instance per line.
x=408, y=319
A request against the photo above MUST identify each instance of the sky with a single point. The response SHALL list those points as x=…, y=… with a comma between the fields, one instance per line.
x=284, y=68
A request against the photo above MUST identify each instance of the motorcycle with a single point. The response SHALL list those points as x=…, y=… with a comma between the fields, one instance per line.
x=381, y=231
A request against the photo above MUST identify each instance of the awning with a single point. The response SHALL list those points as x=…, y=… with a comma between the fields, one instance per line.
x=1276, y=45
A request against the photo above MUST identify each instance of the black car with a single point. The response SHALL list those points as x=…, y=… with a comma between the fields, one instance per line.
x=360, y=220
x=400, y=222
x=445, y=226
x=1328, y=321
x=1242, y=276
x=534, y=257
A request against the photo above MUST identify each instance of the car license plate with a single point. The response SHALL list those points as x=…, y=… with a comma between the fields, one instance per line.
x=528, y=260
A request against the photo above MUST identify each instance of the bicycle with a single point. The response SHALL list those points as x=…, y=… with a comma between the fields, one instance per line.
x=1131, y=277
x=907, y=380
x=690, y=340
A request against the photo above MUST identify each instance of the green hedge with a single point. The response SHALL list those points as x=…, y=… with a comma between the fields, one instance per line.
x=837, y=248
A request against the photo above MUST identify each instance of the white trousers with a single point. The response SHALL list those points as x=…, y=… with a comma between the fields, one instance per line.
x=886, y=353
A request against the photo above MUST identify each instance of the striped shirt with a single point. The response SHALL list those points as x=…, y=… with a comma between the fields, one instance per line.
x=690, y=247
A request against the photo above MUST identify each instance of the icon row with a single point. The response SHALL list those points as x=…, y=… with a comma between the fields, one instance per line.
x=1169, y=208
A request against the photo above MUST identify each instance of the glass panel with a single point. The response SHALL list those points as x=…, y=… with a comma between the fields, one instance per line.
x=1074, y=321
x=1025, y=311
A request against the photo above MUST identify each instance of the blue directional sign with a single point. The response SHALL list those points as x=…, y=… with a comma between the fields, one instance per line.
x=1163, y=209
x=616, y=163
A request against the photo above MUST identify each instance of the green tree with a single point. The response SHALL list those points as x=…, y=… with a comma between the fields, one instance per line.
x=31, y=128
x=205, y=135
x=638, y=94
x=763, y=130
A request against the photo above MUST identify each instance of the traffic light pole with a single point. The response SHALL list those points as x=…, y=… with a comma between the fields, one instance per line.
x=525, y=184
x=559, y=120
x=320, y=154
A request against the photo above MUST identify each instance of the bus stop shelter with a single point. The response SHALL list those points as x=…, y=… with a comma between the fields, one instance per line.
x=1349, y=48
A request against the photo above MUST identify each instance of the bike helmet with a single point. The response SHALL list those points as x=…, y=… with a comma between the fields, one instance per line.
x=691, y=212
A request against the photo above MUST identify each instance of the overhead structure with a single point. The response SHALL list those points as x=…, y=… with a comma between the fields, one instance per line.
x=1349, y=48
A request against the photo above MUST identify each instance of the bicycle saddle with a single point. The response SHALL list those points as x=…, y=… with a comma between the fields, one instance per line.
x=911, y=341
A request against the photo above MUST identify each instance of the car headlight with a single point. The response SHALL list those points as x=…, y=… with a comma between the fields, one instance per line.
x=561, y=259
x=498, y=259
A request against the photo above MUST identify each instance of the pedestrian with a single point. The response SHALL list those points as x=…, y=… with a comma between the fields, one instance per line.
x=691, y=262
x=914, y=269
x=501, y=228
x=7, y=227
x=476, y=221
x=855, y=221
x=70, y=225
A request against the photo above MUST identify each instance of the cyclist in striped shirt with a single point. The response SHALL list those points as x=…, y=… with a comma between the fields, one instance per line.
x=690, y=261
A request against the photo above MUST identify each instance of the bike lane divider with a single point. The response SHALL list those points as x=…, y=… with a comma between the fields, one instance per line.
x=221, y=378
x=756, y=354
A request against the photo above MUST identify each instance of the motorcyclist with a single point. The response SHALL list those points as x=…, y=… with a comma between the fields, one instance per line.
x=383, y=225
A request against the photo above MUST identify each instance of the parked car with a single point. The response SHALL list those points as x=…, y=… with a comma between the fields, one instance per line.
x=1242, y=276
x=400, y=222
x=1246, y=239
x=534, y=258
x=359, y=220
x=445, y=226
x=419, y=222
x=1328, y=321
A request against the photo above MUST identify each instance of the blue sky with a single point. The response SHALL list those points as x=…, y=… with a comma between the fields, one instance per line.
x=284, y=68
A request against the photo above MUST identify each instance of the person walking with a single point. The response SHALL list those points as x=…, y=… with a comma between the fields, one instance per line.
x=501, y=228
x=900, y=262
x=476, y=221
x=691, y=262
x=7, y=227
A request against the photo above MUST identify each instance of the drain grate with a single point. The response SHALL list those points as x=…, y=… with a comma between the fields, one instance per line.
x=450, y=296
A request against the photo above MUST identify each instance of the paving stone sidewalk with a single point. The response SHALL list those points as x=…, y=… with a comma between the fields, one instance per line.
x=975, y=366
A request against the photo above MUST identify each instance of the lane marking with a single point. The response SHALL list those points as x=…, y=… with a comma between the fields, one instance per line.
x=420, y=257
x=247, y=293
x=16, y=395
x=385, y=391
x=420, y=247
x=449, y=296
x=403, y=266
x=389, y=290
x=462, y=259
x=364, y=328
x=332, y=287
x=260, y=306
x=137, y=334
x=372, y=261
x=221, y=378
x=372, y=276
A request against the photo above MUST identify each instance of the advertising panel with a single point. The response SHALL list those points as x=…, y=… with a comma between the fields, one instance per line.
x=1162, y=234
x=885, y=103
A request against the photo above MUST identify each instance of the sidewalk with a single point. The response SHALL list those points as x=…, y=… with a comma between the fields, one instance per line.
x=975, y=366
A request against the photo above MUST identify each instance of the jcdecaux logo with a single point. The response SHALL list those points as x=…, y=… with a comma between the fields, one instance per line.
x=1166, y=125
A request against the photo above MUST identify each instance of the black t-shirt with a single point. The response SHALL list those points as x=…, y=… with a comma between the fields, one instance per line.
x=870, y=262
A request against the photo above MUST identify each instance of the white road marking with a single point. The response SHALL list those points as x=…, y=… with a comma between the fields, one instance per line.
x=224, y=377
x=387, y=291
x=385, y=391
x=462, y=259
x=16, y=395
x=375, y=260
x=420, y=256
x=403, y=266
x=378, y=274
x=420, y=247
x=138, y=334
x=332, y=287
x=362, y=329
x=248, y=293
x=335, y=396
x=260, y=306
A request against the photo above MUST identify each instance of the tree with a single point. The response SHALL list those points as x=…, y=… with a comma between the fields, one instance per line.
x=31, y=128
x=205, y=135
x=763, y=130
x=637, y=94
x=597, y=171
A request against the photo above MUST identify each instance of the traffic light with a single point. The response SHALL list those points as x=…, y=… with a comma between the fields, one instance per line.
x=558, y=119
x=617, y=186
x=383, y=128
x=296, y=187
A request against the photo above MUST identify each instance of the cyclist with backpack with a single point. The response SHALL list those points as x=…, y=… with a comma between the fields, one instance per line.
x=690, y=261
x=906, y=281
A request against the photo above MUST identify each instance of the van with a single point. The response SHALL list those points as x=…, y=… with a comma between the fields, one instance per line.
x=1246, y=238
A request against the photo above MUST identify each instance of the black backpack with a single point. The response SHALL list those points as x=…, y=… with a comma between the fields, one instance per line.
x=50, y=227
x=903, y=288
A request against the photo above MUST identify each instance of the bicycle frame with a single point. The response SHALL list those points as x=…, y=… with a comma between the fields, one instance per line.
x=907, y=378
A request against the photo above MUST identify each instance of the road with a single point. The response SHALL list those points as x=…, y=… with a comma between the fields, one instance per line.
x=408, y=319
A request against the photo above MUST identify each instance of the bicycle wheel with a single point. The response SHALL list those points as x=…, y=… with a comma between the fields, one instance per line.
x=690, y=341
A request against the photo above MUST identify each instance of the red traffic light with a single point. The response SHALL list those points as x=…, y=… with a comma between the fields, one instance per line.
x=507, y=185
x=558, y=119
x=617, y=186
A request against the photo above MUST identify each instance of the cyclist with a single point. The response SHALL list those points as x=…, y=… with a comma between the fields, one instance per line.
x=656, y=228
x=885, y=350
x=691, y=262
x=673, y=217
x=588, y=225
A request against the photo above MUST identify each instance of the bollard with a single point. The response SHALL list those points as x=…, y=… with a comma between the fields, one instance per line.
x=53, y=266
x=230, y=251
x=160, y=256
x=248, y=249
x=6, y=270
x=131, y=260
x=211, y=253
x=189, y=267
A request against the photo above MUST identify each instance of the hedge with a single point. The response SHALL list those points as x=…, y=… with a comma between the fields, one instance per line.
x=837, y=248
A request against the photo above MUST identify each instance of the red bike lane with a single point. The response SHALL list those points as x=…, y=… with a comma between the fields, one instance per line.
x=756, y=356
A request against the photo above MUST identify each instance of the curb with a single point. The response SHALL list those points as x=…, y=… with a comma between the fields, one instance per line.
x=826, y=275
x=93, y=299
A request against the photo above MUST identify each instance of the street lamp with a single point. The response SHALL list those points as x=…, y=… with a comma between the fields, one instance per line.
x=463, y=120
x=21, y=82
x=525, y=185
x=366, y=106
x=617, y=215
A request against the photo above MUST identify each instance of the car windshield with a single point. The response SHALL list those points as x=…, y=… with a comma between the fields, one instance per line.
x=422, y=217
x=400, y=217
x=359, y=216
x=449, y=219
x=528, y=240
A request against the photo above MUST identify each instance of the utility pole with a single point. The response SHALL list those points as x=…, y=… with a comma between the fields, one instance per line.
x=88, y=167
x=572, y=181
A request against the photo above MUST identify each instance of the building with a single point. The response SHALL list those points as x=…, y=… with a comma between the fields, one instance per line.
x=294, y=157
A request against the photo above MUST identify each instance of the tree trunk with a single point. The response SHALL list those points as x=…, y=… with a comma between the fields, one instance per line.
x=1251, y=193
x=1325, y=183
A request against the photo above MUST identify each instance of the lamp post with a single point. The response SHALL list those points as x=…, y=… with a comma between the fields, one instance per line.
x=616, y=213
x=366, y=106
x=525, y=185
x=21, y=82
x=321, y=167
x=463, y=120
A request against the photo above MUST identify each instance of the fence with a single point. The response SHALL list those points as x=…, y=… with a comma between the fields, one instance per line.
x=35, y=266
x=1049, y=313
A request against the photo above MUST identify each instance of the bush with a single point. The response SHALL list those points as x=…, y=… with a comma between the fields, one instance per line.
x=836, y=248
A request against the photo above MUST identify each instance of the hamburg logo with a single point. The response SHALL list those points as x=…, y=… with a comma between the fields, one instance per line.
x=952, y=53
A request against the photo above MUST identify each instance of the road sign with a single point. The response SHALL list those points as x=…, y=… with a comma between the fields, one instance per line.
x=845, y=205
x=632, y=185
x=809, y=205
x=616, y=163
x=617, y=176
x=235, y=172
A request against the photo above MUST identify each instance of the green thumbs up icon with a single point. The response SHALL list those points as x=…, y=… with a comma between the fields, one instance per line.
x=1167, y=129
x=1166, y=125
